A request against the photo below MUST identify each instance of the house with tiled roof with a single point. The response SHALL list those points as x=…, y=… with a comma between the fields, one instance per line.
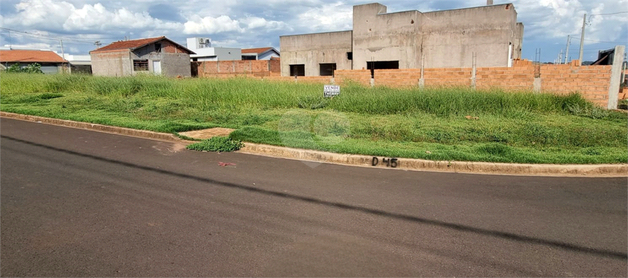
x=159, y=56
x=50, y=61
x=262, y=53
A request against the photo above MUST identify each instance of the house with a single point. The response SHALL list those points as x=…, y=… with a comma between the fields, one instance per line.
x=205, y=52
x=50, y=62
x=79, y=63
x=264, y=53
x=489, y=34
x=159, y=56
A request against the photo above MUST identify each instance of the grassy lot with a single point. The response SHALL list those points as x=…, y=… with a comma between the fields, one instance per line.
x=437, y=124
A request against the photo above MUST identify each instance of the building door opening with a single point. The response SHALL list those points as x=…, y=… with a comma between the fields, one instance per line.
x=297, y=70
x=327, y=69
x=381, y=65
x=157, y=67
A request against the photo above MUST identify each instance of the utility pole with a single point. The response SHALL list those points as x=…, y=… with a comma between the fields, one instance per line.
x=584, y=23
x=568, y=44
x=62, y=56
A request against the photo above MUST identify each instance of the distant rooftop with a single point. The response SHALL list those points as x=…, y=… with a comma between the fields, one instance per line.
x=30, y=56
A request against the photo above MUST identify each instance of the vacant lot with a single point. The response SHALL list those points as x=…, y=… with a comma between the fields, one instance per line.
x=437, y=124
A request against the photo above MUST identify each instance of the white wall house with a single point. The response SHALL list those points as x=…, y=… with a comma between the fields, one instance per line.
x=264, y=53
x=205, y=52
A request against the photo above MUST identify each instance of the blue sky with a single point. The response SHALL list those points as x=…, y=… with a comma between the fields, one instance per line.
x=257, y=23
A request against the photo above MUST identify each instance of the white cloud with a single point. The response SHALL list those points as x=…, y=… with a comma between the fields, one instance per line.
x=212, y=25
x=258, y=22
x=551, y=19
x=44, y=14
x=328, y=17
x=97, y=17
x=40, y=46
x=254, y=23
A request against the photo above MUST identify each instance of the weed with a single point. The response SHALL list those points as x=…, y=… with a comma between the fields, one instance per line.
x=217, y=144
x=513, y=127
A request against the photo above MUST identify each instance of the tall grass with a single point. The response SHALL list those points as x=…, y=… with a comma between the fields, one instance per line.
x=249, y=93
x=563, y=128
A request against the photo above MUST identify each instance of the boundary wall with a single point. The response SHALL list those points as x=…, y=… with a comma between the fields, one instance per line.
x=226, y=69
x=598, y=84
x=593, y=82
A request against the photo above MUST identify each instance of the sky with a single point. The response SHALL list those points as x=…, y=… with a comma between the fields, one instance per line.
x=78, y=24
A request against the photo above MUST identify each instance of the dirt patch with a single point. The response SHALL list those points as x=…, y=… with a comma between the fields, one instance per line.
x=208, y=133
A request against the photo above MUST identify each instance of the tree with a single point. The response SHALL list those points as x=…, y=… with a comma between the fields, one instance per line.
x=31, y=68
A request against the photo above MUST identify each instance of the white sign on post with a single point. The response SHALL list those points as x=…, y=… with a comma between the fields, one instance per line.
x=331, y=90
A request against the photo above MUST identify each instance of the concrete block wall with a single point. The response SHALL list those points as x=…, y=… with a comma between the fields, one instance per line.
x=313, y=49
x=175, y=64
x=115, y=63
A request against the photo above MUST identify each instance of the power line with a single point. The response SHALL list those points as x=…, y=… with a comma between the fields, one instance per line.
x=626, y=12
x=596, y=41
x=75, y=40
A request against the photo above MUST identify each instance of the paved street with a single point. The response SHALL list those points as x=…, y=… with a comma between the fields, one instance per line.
x=83, y=203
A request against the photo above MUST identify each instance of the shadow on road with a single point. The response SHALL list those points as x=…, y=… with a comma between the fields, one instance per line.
x=458, y=227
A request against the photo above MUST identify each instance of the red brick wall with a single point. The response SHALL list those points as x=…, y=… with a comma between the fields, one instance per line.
x=449, y=77
x=362, y=77
x=241, y=67
x=168, y=47
x=518, y=78
x=301, y=79
x=591, y=81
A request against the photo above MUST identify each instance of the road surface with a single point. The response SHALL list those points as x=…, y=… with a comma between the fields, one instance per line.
x=83, y=203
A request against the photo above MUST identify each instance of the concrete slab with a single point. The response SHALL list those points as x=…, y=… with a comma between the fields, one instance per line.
x=207, y=133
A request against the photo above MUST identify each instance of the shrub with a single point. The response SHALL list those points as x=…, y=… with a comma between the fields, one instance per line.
x=31, y=68
x=217, y=144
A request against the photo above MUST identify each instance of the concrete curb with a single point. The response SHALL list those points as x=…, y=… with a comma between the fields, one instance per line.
x=96, y=127
x=597, y=170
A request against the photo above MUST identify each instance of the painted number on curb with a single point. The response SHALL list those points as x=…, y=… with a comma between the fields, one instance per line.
x=390, y=162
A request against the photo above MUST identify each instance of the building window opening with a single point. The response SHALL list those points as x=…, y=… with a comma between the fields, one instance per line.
x=327, y=69
x=349, y=55
x=248, y=57
x=297, y=70
x=140, y=65
x=381, y=65
x=158, y=47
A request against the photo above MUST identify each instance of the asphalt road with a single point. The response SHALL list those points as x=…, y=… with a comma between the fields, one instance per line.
x=83, y=203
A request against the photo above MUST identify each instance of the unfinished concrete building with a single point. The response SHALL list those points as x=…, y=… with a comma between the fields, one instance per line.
x=158, y=56
x=410, y=39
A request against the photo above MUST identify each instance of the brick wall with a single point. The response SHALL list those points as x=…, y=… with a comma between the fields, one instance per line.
x=592, y=82
x=362, y=77
x=256, y=68
x=518, y=78
x=301, y=79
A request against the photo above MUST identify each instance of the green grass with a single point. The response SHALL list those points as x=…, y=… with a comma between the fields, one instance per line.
x=430, y=124
x=217, y=144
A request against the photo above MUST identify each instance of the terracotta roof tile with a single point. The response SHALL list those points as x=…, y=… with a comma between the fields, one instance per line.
x=132, y=44
x=256, y=50
x=41, y=56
